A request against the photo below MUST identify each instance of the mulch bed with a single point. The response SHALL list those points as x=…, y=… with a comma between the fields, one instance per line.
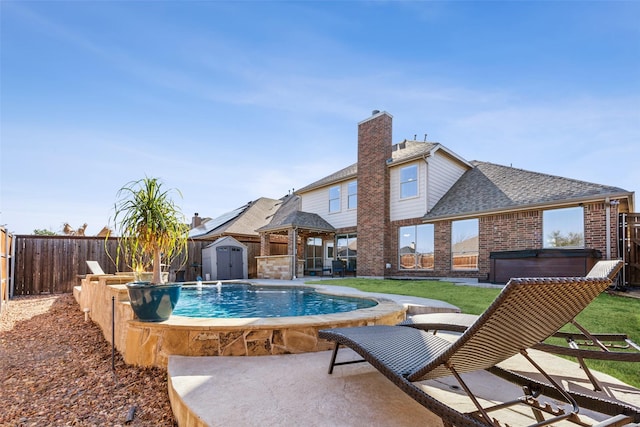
x=56, y=369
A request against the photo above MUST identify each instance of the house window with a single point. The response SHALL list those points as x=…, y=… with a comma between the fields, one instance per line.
x=464, y=244
x=334, y=199
x=563, y=228
x=314, y=254
x=347, y=250
x=352, y=195
x=409, y=181
x=329, y=250
x=416, y=247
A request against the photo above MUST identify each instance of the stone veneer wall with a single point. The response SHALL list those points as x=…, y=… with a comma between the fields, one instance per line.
x=151, y=344
x=278, y=267
x=95, y=295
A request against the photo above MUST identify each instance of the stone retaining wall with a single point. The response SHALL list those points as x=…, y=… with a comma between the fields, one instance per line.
x=151, y=344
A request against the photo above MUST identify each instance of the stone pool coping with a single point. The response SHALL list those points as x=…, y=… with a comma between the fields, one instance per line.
x=151, y=344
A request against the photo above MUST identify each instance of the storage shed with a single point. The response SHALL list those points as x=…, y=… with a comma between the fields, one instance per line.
x=225, y=259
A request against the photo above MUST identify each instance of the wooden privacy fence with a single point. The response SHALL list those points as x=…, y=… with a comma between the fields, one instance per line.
x=6, y=246
x=55, y=264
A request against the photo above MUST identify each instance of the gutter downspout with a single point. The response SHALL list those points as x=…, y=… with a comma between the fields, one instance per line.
x=425, y=157
x=608, y=227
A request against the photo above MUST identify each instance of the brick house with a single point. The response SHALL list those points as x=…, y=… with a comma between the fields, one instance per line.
x=417, y=209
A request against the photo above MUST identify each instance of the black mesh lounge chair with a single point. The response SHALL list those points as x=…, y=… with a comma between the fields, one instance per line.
x=581, y=345
x=526, y=312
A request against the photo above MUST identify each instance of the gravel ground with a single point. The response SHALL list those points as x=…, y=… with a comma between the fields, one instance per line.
x=56, y=370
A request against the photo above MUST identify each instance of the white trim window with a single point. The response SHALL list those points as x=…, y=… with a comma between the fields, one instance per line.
x=563, y=228
x=416, y=243
x=314, y=254
x=352, y=195
x=347, y=250
x=465, y=244
x=334, y=199
x=409, y=182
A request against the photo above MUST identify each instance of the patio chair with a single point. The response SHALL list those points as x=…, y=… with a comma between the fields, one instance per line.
x=526, y=312
x=95, y=268
x=97, y=273
x=581, y=345
x=338, y=267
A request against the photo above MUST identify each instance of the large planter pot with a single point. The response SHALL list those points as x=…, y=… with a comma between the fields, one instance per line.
x=147, y=276
x=153, y=303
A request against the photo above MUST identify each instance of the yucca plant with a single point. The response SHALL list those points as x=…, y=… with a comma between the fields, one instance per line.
x=150, y=226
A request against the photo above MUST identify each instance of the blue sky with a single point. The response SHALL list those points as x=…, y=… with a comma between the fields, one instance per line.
x=231, y=101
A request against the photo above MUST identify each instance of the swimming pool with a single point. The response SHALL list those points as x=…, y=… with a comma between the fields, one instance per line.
x=244, y=300
x=152, y=343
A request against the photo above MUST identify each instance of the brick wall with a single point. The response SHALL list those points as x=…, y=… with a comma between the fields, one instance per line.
x=595, y=227
x=442, y=248
x=374, y=148
x=505, y=232
x=523, y=230
x=265, y=244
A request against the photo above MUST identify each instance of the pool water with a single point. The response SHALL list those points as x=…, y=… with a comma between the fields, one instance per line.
x=242, y=300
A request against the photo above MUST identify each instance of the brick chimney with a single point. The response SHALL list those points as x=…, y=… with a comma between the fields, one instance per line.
x=374, y=149
x=196, y=220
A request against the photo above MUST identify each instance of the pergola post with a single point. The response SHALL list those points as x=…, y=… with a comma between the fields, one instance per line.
x=292, y=250
x=265, y=244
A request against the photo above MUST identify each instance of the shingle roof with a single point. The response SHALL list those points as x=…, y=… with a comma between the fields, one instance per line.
x=243, y=220
x=253, y=218
x=489, y=187
x=401, y=152
x=410, y=150
x=341, y=175
x=288, y=215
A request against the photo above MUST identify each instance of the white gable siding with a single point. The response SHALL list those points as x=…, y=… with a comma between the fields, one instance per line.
x=317, y=201
x=434, y=181
x=443, y=173
x=412, y=207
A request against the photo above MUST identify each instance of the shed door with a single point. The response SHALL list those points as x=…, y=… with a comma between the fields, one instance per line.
x=229, y=262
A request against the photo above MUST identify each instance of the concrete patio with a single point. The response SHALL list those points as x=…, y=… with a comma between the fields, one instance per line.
x=295, y=389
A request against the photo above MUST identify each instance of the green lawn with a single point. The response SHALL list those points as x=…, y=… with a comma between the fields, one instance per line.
x=607, y=313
